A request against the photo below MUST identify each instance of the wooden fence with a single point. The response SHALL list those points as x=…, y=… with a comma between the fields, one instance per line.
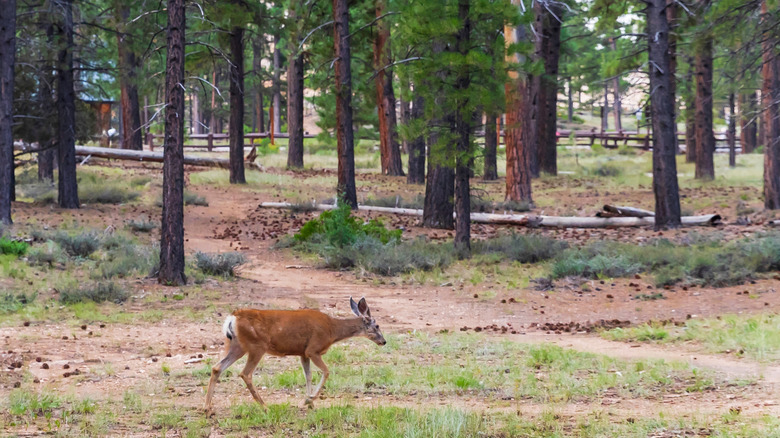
x=211, y=139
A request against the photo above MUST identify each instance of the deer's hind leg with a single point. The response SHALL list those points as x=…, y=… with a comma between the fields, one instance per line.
x=317, y=359
x=234, y=353
x=251, y=363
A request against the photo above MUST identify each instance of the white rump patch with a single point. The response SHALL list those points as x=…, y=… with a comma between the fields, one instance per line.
x=229, y=327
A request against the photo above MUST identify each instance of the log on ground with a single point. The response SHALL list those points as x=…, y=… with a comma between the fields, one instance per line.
x=528, y=220
x=155, y=157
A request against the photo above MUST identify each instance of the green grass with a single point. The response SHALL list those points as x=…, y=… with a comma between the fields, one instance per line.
x=756, y=336
x=13, y=247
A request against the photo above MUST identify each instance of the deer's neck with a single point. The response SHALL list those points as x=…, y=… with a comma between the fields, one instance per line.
x=347, y=328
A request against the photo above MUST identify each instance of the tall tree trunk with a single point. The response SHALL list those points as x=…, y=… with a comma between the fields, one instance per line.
x=705, y=139
x=344, y=134
x=417, y=145
x=132, y=137
x=771, y=78
x=690, y=114
x=732, y=132
x=665, y=188
x=47, y=102
x=570, y=112
x=671, y=18
x=385, y=97
x=406, y=109
x=440, y=181
x=196, y=128
x=237, y=106
x=616, y=94
x=518, y=136
x=213, y=125
x=172, y=228
x=605, y=111
x=761, y=119
x=257, y=66
x=67, y=187
x=7, y=55
x=490, y=172
x=463, y=129
x=548, y=45
x=277, y=86
x=295, y=111
x=748, y=108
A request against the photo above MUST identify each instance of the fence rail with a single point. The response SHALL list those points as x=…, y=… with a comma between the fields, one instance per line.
x=210, y=139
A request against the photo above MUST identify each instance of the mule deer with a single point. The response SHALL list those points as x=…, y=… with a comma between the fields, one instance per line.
x=304, y=333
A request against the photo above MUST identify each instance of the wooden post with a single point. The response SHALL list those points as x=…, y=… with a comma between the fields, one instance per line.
x=210, y=141
x=150, y=136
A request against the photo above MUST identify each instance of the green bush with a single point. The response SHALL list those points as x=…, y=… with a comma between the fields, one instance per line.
x=193, y=199
x=122, y=260
x=522, y=248
x=371, y=255
x=98, y=292
x=79, y=244
x=47, y=254
x=11, y=303
x=339, y=228
x=222, y=264
x=142, y=226
x=13, y=247
x=104, y=192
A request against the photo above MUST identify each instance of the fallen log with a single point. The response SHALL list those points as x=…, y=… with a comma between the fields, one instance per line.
x=617, y=211
x=528, y=220
x=155, y=157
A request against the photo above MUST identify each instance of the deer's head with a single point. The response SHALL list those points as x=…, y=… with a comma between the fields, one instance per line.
x=370, y=327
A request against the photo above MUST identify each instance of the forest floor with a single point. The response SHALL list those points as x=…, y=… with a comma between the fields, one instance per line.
x=472, y=348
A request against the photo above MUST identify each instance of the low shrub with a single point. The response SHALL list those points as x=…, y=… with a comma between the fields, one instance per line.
x=521, y=248
x=46, y=254
x=339, y=228
x=194, y=199
x=123, y=260
x=13, y=247
x=222, y=264
x=78, y=244
x=142, y=225
x=371, y=255
x=98, y=292
x=11, y=303
x=104, y=192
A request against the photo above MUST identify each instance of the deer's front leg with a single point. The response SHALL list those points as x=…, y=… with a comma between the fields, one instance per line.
x=246, y=375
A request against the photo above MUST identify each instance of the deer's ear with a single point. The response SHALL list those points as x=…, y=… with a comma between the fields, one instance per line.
x=363, y=308
x=354, y=307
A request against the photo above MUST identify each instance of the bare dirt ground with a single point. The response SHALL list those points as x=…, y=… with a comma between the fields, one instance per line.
x=53, y=352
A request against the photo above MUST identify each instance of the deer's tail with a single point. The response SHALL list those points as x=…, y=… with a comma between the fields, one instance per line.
x=229, y=327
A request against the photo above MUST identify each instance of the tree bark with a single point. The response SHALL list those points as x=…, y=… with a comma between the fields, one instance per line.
x=344, y=134
x=570, y=112
x=390, y=153
x=213, y=119
x=132, y=137
x=237, y=106
x=671, y=18
x=416, y=173
x=463, y=129
x=690, y=115
x=748, y=108
x=67, y=187
x=490, y=172
x=406, y=109
x=665, y=187
x=617, y=109
x=732, y=132
x=705, y=139
x=196, y=114
x=520, y=150
x=7, y=57
x=548, y=46
x=771, y=83
x=605, y=111
x=172, y=227
x=295, y=112
x=277, y=87
x=257, y=66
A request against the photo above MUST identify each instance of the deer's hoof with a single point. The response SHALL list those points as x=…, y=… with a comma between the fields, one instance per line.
x=309, y=403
